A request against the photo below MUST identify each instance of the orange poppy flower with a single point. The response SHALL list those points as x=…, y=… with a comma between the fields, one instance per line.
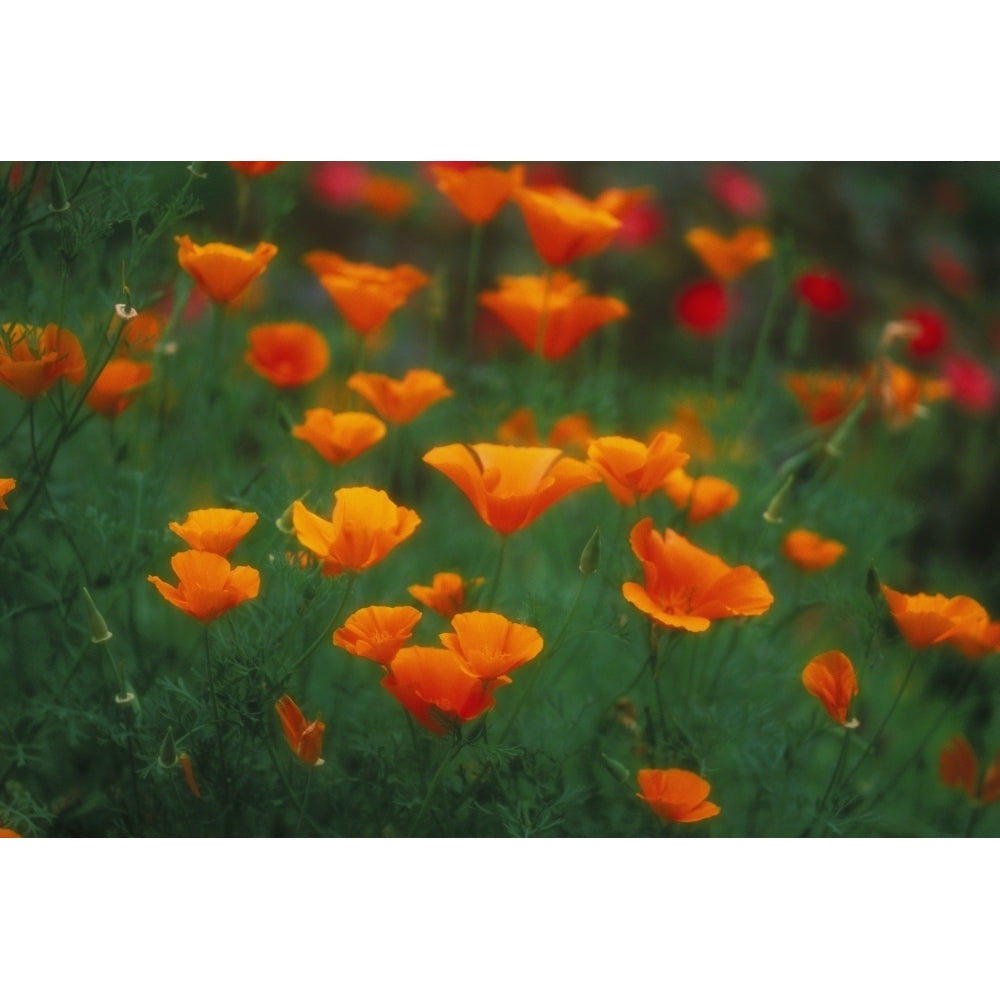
x=563, y=225
x=6, y=831
x=676, y=795
x=809, y=551
x=387, y=196
x=695, y=435
x=222, y=271
x=214, y=529
x=490, y=645
x=364, y=528
x=32, y=358
x=630, y=468
x=254, y=168
x=6, y=485
x=620, y=201
x=825, y=396
x=114, y=390
x=445, y=595
x=509, y=486
x=574, y=431
x=339, y=437
x=433, y=685
x=287, y=354
x=305, y=738
x=366, y=295
x=958, y=768
x=689, y=588
x=703, y=497
x=141, y=333
x=207, y=585
x=902, y=393
x=479, y=192
x=400, y=400
x=377, y=632
x=927, y=620
x=831, y=678
x=728, y=259
x=185, y=761
x=553, y=312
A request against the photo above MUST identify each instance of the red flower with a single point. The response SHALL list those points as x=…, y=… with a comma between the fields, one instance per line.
x=338, y=184
x=822, y=290
x=934, y=331
x=737, y=190
x=973, y=385
x=702, y=307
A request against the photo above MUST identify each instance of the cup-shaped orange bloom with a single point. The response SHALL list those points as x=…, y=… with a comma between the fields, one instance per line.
x=630, y=468
x=207, y=585
x=220, y=270
x=825, y=396
x=141, y=333
x=387, y=196
x=676, y=795
x=490, y=645
x=305, y=738
x=508, y=485
x=479, y=192
x=687, y=587
x=728, y=259
x=366, y=295
x=116, y=387
x=551, y=315
x=927, y=620
x=563, y=225
x=377, y=632
x=400, y=400
x=288, y=354
x=364, y=528
x=957, y=765
x=809, y=551
x=831, y=678
x=703, y=497
x=214, y=529
x=445, y=595
x=574, y=431
x=339, y=437
x=6, y=485
x=33, y=358
x=434, y=686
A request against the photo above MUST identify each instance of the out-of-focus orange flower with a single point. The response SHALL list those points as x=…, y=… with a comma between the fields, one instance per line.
x=563, y=225
x=185, y=761
x=366, y=295
x=703, y=497
x=287, y=354
x=364, y=528
x=809, y=551
x=902, y=393
x=831, y=678
x=305, y=738
x=478, y=192
x=927, y=620
x=6, y=831
x=400, y=400
x=630, y=468
x=676, y=795
x=445, y=595
x=958, y=768
x=377, y=632
x=339, y=437
x=255, y=168
x=32, y=358
x=387, y=196
x=114, y=390
x=6, y=485
x=825, y=396
x=220, y=270
x=433, y=685
x=509, y=486
x=698, y=441
x=490, y=645
x=214, y=529
x=141, y=333
x=574, y=431
x=620, y=201
x=552, y=313
x=687, y=587
x=207, y=585
x=729, y=258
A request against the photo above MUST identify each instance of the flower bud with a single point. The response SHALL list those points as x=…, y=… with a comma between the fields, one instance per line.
x=873, y=584
x=60, y=200
x=168, y=750
x=773, y=513
x=617, y=770
x=591, y=556
x=98, y=627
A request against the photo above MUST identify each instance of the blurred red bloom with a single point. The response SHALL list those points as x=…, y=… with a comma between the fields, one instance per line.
x=958, y=768
x=737, y=190
x=973, y=386
x=642, y=224
x=702, y=307
x=934, y=331
x=255, y=168
x=822, y=290
x=951, y=272
x=338, y=184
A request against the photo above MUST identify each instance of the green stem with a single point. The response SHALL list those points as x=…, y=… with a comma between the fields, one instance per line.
x=329, y=628
x=452, y=751
x=291, y=791
x=491, y=596
x=220, y=743
x=831, y=784
x=470, y=289
x=305, y=802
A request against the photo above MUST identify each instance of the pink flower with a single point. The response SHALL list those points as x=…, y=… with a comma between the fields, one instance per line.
x=973, y=386
x=737, y=190
x=822, y=290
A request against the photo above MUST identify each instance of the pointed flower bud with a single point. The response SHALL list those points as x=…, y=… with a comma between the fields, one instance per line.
x=98, y=627
x=168, y=750
x=590, y=558
x=773, y=513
